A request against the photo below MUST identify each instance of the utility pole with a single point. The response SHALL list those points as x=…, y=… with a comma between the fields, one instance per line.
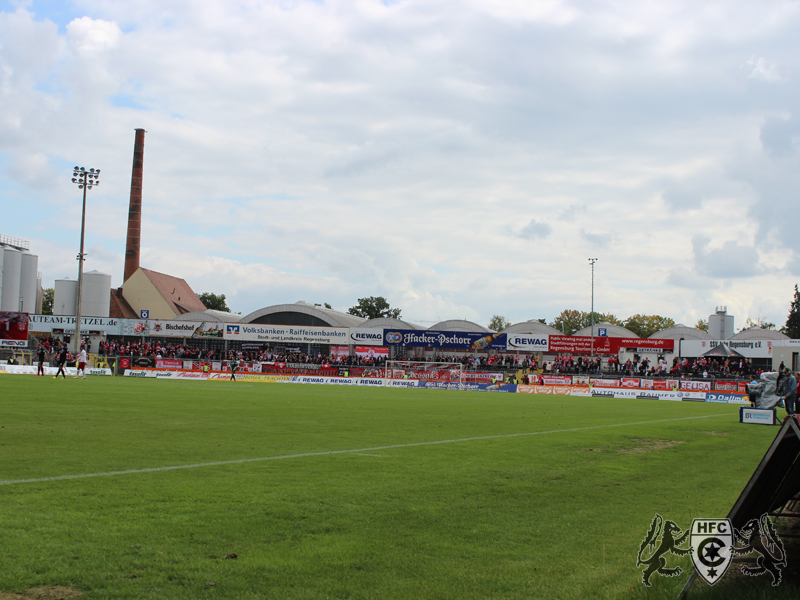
x=592, y=260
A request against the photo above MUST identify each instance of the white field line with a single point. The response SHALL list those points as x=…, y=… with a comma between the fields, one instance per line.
x=353, y=451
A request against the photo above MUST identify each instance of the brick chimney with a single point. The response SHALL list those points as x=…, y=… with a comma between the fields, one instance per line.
x=135, y=211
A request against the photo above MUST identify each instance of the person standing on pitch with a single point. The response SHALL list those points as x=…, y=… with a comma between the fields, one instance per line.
x=82, y=359
x=62, y=360
x=41, y=355
x=234, y=364
x=790, y=387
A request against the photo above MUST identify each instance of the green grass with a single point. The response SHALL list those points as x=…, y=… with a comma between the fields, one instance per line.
x=559, y=514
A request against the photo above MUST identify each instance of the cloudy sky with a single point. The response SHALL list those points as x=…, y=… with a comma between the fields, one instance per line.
x=462, y=158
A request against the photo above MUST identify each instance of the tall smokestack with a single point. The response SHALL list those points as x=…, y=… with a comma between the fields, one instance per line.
x=135, y=210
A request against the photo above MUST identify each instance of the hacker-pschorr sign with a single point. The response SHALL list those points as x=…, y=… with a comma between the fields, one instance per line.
x=287, y=334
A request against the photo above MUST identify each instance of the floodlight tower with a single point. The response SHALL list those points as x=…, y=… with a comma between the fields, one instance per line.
x=592, y=260
x=85, y=180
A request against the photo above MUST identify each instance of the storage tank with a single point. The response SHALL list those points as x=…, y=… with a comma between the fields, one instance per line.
x=96, y=294
x=12, y=263
x=29, y=282
x=65, y=297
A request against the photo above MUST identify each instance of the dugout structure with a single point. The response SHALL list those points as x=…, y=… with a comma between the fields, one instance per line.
x=424, y=371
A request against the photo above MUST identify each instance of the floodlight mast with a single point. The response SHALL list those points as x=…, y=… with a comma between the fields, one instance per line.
x=592, y=260
x=85, y=180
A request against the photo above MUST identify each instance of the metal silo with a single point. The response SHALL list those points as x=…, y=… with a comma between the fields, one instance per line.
x=12, y=262
x=65, y=297
x=29, y=282
x=96, y=294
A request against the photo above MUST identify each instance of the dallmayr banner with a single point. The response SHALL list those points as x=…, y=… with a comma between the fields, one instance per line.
x=462, y=340
x=287, y=334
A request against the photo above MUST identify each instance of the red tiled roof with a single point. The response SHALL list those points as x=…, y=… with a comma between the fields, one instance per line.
x=180, y=297
x=119, y=307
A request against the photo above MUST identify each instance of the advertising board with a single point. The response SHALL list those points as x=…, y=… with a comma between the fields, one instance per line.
x=461, y=340
x=14, y=329
x=287, y=334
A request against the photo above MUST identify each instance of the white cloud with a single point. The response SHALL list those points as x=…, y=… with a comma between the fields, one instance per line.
x=325, y=151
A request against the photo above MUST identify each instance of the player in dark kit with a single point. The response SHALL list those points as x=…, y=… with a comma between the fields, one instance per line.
x=41, y=355
x=234, y=364
x=62, y=360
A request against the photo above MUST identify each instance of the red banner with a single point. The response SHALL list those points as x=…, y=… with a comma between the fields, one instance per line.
x=628, y=382
x=168, y=363
x=372, y=351
x=580, y=344
x=13, y=329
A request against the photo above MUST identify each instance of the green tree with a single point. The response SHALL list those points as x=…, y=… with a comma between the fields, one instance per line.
x=214, y=301
x=374, y=308
x=792, y=327
x=702, y=325
x=498, y=323
x=48, y=297
x=758, y=322
x=646, y=325
x=570, y=321
x=326, y=305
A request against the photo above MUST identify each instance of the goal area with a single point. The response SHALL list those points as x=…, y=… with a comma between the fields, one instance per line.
x=450, y=372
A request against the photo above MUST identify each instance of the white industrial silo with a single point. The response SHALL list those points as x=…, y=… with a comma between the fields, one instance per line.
x=96, y=294
x=29, y=282
x=65, y=297
x=12, y=262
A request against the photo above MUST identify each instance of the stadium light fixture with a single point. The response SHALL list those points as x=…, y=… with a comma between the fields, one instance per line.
x=85, y=180
x=592, y=260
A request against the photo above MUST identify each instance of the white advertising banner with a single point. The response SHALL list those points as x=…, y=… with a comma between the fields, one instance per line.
x=177, y=329
x=527, y=342
x=287, y=334
x=747, y=348
x=47, y=323
x=364, y=336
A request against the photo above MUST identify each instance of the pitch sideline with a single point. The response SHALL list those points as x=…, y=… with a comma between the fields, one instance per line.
x=352, y=451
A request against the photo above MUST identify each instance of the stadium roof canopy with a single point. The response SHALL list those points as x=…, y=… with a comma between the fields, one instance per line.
x=217, y=316
x=611, y=331
x=681, y=332
x=458, y=325
x=302, y=313
x=531, y=327
x=388, y=323
x=757, y=333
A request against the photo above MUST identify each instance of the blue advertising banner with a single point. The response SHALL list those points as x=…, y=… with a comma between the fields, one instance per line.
x=462, y=340
x=510, y=388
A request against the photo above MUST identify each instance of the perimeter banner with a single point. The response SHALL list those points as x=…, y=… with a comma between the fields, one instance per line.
x=287, y=334
x=14, y=329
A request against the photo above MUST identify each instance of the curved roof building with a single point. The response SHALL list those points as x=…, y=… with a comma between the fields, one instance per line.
x=681, y=332
x=302, y=313
x=388, y=323
x=458, y=325
x=757, y=333
x=531, y=327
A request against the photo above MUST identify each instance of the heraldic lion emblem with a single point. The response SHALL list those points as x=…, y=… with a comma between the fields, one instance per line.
x=662, y=539
x=759, y=535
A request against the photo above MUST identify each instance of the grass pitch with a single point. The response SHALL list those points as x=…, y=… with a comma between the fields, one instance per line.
x=304, y=491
